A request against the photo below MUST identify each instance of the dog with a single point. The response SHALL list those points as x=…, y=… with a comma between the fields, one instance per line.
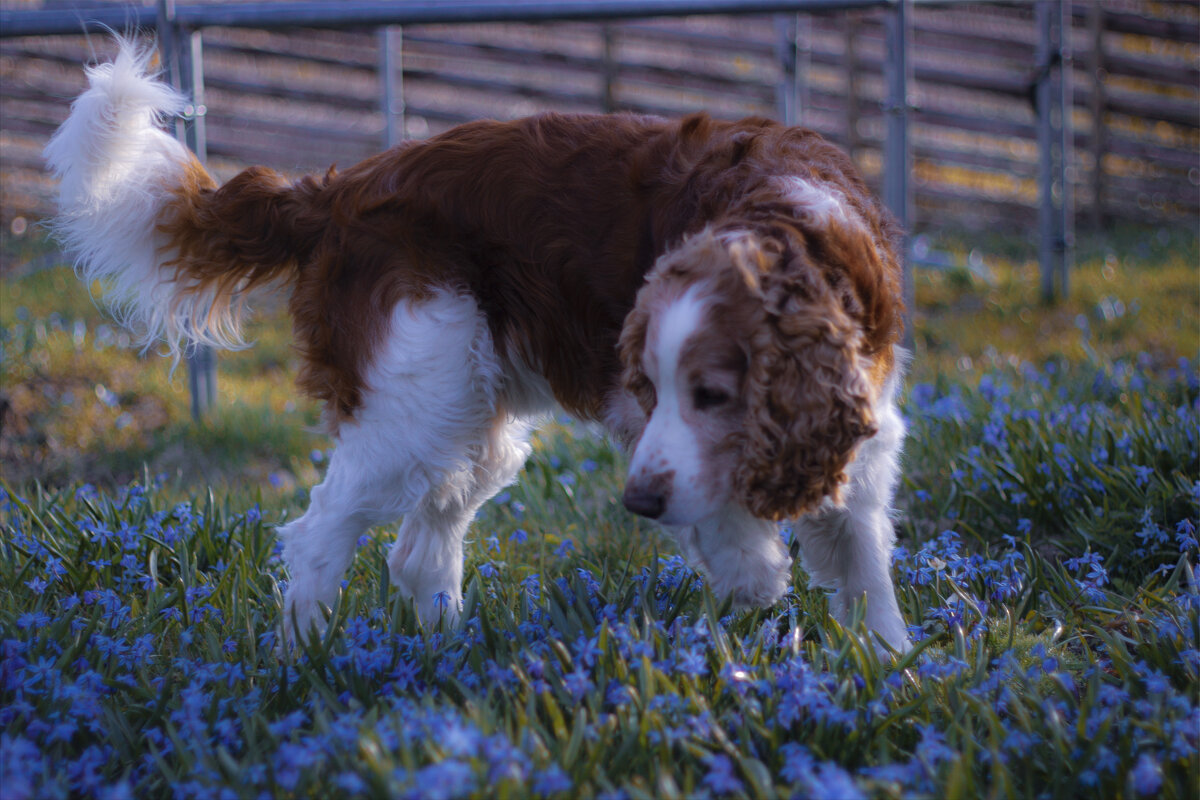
x=724, y=297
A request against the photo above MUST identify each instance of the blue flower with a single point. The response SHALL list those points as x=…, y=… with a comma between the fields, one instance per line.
x=720, y=776
x=1156, y=682
x=617, y=694
x=798, y=763
x=532, y=584
x=578, y=682
x=459, y=740
x=1185, y=535
x=831, y=782
x=33, y=619
x=551, y=781
x=349, y=782
x=446, y=780
x=1146, y=776
x=691, y=662
x=933, y=748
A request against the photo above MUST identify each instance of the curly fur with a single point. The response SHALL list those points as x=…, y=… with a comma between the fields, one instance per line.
x=808, y=395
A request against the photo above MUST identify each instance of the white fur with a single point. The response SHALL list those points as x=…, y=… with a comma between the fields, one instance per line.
x=819, y=200
x=116, y=169
x=848, y=548
x=743, y=557
x=668, y=443
x=433, y=441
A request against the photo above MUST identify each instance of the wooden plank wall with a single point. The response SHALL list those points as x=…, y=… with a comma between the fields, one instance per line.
x=301, y=100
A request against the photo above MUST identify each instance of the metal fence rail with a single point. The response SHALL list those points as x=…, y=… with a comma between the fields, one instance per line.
x=376, y=13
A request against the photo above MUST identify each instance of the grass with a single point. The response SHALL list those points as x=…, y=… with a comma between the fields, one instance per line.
x=1134, y=295
x=1047, y=567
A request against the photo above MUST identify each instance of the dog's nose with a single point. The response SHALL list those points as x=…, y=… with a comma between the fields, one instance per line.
x=644, y=502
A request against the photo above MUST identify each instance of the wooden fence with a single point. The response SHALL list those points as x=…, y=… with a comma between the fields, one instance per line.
x=302, y=99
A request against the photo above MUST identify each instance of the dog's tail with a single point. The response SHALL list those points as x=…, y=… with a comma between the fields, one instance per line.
x=138, y=211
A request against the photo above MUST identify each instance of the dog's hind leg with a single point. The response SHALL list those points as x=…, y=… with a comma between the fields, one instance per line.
x=319, y=546
x=412, y=448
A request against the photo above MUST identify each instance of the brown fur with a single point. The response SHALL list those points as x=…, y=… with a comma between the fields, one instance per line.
x=552, y=223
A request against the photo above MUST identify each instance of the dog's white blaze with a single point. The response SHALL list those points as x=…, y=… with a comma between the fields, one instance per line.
x=669, y=443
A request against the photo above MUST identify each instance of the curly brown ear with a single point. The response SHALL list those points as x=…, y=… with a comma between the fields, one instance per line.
x=809, y=402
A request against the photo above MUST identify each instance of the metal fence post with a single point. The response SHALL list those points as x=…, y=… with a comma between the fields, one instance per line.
x=853, y=85
x=1053, y=103
x=608, y=67
x=391, y=83
x=1099, y=138
x=793, y=48
x=182, y=55
x=897, y=159
x=1065, y=242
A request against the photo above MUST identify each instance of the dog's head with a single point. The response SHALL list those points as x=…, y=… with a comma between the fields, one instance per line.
x=751, y=370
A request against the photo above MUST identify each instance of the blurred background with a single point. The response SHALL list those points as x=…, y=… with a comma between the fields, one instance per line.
x=301, y=100
x=77, y=403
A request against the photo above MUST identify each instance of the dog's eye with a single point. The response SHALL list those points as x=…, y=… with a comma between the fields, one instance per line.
x=704, y=398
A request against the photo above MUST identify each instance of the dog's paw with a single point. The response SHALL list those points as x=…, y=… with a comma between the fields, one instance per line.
x=763, y=578
x=304, y=618
x=741, y=557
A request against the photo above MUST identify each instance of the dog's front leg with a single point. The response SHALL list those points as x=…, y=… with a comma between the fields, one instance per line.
x=741, y=556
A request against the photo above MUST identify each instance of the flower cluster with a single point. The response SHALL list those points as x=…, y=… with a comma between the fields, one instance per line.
x=140, y=655
x=1064, y=455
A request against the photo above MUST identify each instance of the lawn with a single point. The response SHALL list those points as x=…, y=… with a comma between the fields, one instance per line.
x=1047, y=559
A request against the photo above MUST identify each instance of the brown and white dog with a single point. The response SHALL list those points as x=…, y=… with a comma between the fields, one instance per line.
x=724, y=297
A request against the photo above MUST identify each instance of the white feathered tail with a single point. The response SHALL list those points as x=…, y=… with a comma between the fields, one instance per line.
x=139, y=213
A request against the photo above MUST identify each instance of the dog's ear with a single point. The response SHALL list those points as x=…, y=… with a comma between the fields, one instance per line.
x=808, y=397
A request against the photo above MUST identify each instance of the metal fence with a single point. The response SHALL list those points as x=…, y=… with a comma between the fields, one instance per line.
x=180, y=30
